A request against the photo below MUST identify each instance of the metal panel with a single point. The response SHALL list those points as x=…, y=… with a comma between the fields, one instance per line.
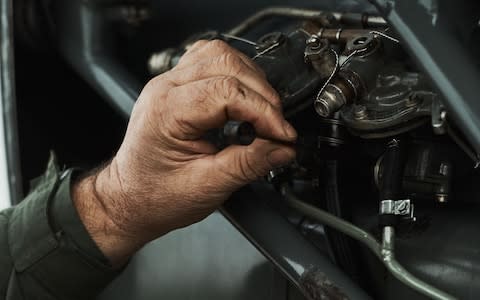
x=209, y=260
x=279, y=241
x=434, y=32
x=10, y=181
x=4, y=182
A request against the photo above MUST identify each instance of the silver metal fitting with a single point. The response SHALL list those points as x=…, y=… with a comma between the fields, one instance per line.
x=320, y=55
x=402, y=208
x=330, y=100
x=273, y=175
x=439, y=117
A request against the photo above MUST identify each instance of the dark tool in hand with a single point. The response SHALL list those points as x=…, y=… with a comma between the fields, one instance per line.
x=240, y=133
x=237, y=133
x=232, y=133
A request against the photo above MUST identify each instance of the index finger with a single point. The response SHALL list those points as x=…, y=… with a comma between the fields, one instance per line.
x=210, y=103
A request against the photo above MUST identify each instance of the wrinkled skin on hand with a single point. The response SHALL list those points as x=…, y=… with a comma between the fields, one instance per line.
x=165, y=176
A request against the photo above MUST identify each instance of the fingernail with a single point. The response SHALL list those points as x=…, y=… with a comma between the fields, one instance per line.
x=280, y=157
x=289, y=130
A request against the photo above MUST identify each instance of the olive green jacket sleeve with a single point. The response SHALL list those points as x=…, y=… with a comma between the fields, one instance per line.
x=45, y=251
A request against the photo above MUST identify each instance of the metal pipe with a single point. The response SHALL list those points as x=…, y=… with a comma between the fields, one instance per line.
x=342, y=35
x=335, y=34
x=384, y=252
x=365, y=19
x=305, y=14
x=330, y=220
x=397, y=270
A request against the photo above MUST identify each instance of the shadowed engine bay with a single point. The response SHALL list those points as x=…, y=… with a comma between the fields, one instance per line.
x=365, y=113
x=384, y=181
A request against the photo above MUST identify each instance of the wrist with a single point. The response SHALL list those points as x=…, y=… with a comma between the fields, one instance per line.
x=98, y=199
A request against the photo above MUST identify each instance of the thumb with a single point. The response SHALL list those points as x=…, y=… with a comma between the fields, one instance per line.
x=245, y=164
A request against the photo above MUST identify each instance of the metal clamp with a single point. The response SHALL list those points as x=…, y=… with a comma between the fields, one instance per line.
x=402, y=208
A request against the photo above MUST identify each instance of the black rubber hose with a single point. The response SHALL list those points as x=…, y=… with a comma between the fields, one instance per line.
x=341, y=245
x=392, y=172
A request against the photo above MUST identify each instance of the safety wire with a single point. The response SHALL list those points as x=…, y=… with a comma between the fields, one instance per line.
x=251, y=43
x=384, y=35
x=335, y=70
x=237, y=38
x=338, y=67
x=268, y=49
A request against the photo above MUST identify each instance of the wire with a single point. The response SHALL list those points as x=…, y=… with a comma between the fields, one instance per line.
x=349, y=57
x=382, y=34
x=240, y=39
x=270, y=48
x=334, y=71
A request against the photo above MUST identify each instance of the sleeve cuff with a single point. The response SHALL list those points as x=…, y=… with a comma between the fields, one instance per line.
x=49, y=243
x=67, y=221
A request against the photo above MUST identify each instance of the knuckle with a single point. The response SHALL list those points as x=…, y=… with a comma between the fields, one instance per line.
x=263, y=106
x=183, y=60
x=231, y=88
x=151, y=84
x=275, y=99
x=198, y=71
x=193, y=51
x=230, y=83
x=157, y=86
x=231, y=63
x=219, y=45
x=200, y=100
x=197, y=44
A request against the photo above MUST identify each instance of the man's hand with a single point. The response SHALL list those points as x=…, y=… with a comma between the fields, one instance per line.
x=165, y=176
